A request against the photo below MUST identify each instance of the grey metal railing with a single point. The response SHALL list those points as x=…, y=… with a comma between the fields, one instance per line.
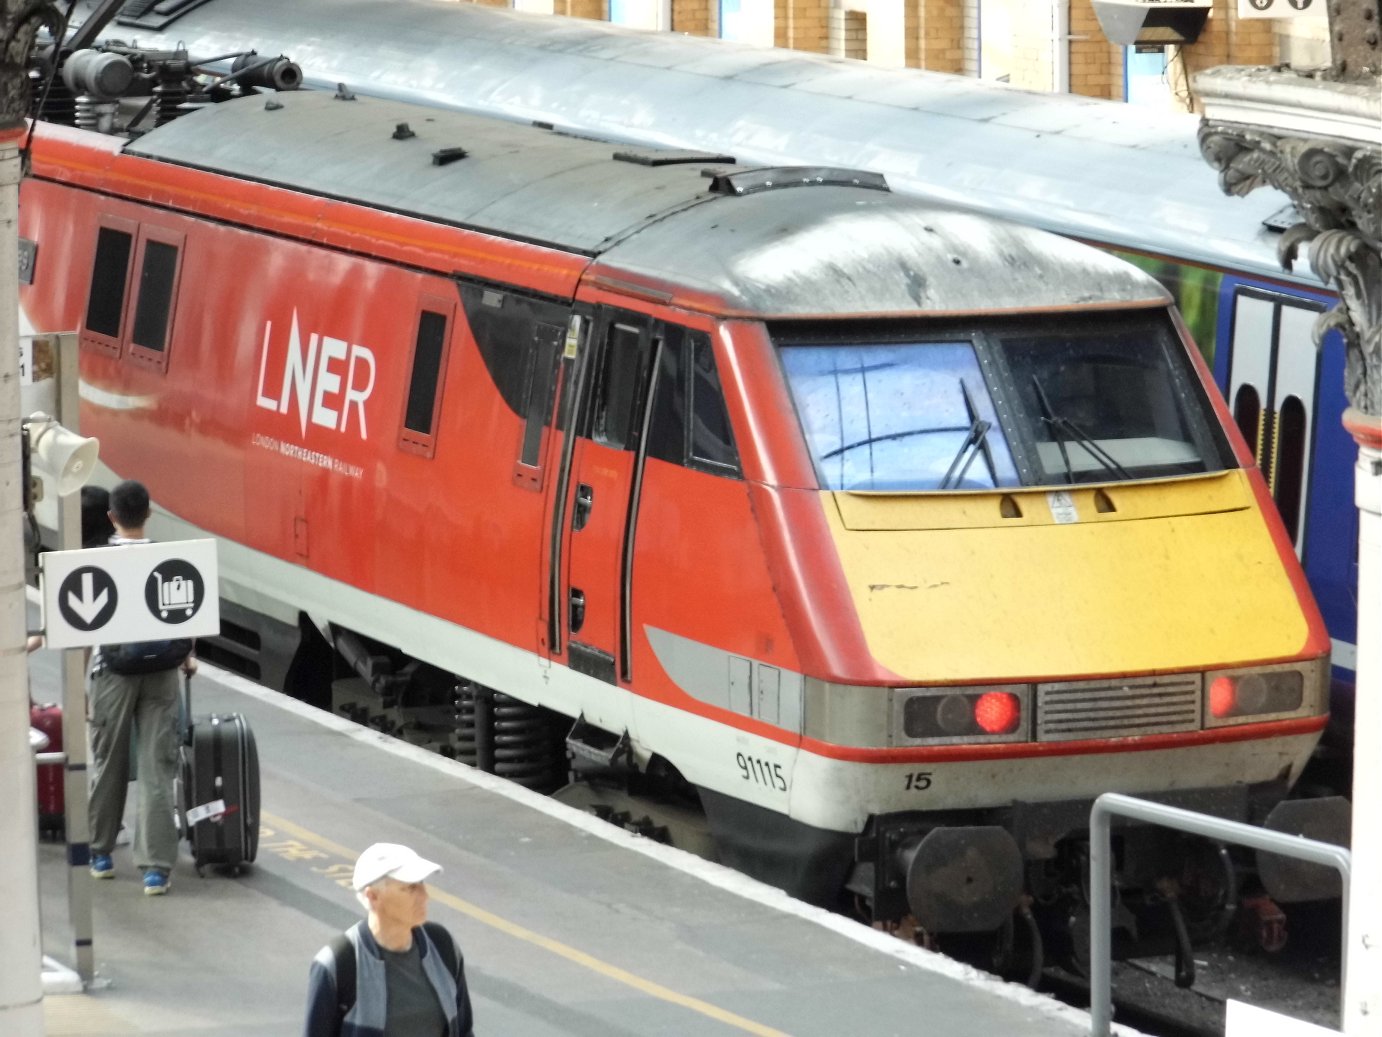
x=1101, y=878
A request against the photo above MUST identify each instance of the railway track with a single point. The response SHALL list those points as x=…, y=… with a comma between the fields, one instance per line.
x=1300, y=980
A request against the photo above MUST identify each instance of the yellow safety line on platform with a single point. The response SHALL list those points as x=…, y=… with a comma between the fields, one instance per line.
x=571, y=954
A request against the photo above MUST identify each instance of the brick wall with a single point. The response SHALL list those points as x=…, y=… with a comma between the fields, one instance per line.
x=935, y=34
x=696, y=17
x=802, y=25
x=1096, y=65
x=594, y=9
x=1229, y=40
x=849, y=34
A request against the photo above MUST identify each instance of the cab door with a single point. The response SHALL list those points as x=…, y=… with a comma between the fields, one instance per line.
x=601, y=494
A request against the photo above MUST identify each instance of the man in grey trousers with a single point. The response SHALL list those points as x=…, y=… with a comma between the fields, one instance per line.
x=148, y=704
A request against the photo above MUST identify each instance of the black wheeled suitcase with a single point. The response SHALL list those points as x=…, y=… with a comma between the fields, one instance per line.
x=218, y=788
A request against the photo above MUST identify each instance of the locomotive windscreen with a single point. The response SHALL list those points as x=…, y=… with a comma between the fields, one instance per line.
x=1015, y=404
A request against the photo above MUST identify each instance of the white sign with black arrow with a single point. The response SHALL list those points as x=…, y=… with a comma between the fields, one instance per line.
x=135, y=592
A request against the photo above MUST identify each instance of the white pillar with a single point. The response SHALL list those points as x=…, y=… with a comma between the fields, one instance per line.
x=1363, y=979
x=21, y=949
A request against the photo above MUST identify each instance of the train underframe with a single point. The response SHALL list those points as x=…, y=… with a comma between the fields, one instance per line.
x=1005, y=888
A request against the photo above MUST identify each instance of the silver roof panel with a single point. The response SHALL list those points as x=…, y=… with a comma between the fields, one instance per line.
x=788, y=252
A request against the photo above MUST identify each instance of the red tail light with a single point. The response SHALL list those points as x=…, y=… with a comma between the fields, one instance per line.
x=997, y=712
x=1222, y=697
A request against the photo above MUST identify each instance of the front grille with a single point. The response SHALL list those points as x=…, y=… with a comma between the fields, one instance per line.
x=1118, y=708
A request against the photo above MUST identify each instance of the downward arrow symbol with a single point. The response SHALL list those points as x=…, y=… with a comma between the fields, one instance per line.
x=86, y=606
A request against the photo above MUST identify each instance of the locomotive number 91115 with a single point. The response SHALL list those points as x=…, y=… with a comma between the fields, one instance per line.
x=761, y=772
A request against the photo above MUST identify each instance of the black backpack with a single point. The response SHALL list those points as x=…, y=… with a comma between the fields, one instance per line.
x=146, y=656
x=343, y=950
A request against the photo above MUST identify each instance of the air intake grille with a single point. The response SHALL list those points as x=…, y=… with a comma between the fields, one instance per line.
x=1118, y=709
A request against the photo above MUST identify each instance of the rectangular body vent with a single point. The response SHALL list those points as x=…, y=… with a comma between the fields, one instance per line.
x=1123, y=708
x=773, y=178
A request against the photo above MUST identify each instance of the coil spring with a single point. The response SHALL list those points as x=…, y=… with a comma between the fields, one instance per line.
x=523, y=745
x=85, y=114
x=97, y=116
x=167, y=97
x=464, y=737
x=498, y=734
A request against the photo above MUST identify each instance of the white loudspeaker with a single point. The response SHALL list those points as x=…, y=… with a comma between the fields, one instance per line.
x=61, y=455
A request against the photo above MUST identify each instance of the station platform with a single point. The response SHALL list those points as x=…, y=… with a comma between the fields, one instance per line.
x=568, y=925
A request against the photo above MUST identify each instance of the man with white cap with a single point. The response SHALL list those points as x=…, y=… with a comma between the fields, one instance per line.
x=395, y=974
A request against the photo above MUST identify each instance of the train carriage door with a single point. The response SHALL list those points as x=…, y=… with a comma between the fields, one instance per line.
x=601, y=494
x=1273, y=378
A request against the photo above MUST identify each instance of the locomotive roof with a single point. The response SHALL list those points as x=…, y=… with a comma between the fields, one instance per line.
x=785, y=252
x=1099, y=170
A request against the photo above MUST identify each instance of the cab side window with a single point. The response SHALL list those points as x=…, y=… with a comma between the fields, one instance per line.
x=690, y=423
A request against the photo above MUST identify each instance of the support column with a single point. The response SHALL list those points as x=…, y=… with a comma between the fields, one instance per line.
x=21, y=951
x=1363, y=980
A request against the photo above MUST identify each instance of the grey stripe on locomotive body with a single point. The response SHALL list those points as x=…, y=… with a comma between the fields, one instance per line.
x=791, y=252
x=1098, y=170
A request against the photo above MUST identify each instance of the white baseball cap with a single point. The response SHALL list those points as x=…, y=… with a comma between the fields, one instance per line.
x=392, y=861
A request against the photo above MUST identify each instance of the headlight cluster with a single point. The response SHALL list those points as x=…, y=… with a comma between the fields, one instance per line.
x=950, y=715
x=1240, y=696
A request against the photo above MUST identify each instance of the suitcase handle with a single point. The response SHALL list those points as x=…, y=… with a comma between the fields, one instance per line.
x=184, y=720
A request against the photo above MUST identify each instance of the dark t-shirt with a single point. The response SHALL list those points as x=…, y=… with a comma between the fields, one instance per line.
x=413, y=1010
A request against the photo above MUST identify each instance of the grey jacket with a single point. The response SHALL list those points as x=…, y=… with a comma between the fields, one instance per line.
x=365, y=1018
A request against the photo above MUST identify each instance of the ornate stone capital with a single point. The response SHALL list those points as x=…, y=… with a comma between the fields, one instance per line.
x=1319, y=141
x=1336, y=184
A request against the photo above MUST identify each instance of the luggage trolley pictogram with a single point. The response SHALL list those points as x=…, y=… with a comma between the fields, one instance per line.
x=177, y=593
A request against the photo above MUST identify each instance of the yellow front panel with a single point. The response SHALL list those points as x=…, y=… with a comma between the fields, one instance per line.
x=1109, y=593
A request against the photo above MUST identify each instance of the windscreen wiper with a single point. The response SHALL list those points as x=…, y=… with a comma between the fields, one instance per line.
x=975, y=443
x=1063, y=428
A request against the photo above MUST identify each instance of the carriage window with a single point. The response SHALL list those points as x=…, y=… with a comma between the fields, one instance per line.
x=418, y=434
x=422, y=387
x=616, y=387
x=157, y=278
x=1247, y=414
x=712, y=442
x=109, y=275
x=1292, y=432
